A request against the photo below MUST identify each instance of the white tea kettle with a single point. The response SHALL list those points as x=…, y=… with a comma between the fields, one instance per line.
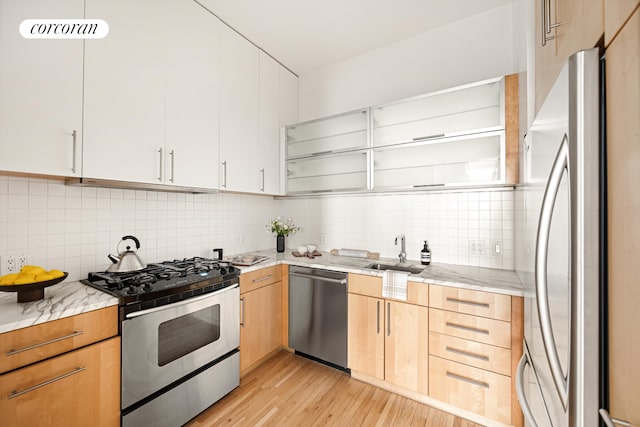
x=126, y=260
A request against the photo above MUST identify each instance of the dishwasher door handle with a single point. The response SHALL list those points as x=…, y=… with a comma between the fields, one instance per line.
x=316, y=277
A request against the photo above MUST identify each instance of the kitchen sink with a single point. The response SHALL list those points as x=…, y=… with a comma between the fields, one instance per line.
x=382, y=267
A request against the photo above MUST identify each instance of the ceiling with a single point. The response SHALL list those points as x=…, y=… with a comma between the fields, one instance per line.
x=305, y=35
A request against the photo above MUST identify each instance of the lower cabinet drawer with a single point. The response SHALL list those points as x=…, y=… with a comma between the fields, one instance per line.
x=78, y=388
x=34, y=343
x=476, y=390
x=474, y=328
x=479, y=355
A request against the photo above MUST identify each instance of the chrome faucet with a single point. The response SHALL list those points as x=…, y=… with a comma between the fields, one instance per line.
x=403, y=253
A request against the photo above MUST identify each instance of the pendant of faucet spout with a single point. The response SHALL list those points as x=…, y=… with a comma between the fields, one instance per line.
x=403, y=254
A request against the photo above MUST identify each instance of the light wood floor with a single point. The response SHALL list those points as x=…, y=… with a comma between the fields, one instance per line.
x=290, y=390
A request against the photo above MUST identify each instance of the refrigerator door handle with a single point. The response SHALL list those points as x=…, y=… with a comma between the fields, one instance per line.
x=560, y=164
x=612, y=422
x=522, y=397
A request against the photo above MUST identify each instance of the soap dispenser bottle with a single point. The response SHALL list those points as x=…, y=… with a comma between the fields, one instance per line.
x=425, y=254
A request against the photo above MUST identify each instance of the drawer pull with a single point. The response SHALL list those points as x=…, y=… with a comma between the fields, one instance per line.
x=467, y=380
x=52, y=380
x=467, y=328
x=31, y=347
x=473, y=303
x=262, y=279
x=467, y=353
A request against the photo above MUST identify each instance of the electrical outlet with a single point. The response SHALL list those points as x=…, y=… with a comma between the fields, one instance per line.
x=13, y=263
x=496, y=248
x=476, y=247
x=23, y=259
x=8, y=264
x=239, y=240
x=323, y=239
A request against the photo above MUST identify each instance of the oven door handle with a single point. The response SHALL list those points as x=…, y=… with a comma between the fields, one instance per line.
x=179, y=303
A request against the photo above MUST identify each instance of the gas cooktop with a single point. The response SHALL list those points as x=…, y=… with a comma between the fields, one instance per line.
x=166, y=282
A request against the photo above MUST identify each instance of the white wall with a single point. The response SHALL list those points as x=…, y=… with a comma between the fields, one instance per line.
x=480, y=47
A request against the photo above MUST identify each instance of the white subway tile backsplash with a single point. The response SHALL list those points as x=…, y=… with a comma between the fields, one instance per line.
x=76, y=227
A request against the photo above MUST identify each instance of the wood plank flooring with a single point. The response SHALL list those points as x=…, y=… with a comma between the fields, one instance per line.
x=290, y=390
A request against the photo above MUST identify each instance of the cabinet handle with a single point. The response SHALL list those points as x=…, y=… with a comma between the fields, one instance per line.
x=16, y=393
x=74, y=136
x=161, y=161
x=467, y=328
x=467, y=302
x=545, y=20
x=611, y=422
x=426, y=138
x=42, y=344
x=467, y=353
x=320, y=153
x=224, y=174
x=378, y=318
x=388, y=319
x=262, y=180
x=173, y=155
x=262, y=279
x=467, y=380
x=242, y=312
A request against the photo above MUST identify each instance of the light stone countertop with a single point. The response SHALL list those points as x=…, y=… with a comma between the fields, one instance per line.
x=459, y=276
x=62, y=300
x=71, y=298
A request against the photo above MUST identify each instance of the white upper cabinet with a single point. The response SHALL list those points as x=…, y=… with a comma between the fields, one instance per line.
x=269, y=136
x=288, y=107
x=192, y=97
x=239, y=114
x=151, y=94
x=40, y=92
x=472, y=109
x=288, y=104
x=124, y=104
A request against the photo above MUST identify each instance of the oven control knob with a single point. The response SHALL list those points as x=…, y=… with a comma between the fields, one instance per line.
x=132, y=290
x=147, y=287
x=231, y=269
x=223, y=270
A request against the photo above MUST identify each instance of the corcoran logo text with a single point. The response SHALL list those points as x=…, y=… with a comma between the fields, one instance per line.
x=64, y=28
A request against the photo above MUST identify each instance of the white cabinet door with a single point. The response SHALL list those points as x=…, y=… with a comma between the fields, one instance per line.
x=269, y=138
x=239, y=114
x=288, y=112
x=192, y=95
x=40, y=92
x=124, y=98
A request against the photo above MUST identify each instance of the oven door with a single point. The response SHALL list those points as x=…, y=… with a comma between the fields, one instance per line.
x=163, y=344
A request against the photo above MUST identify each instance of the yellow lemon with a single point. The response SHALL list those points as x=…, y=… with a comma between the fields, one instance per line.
x=8, y=279
x=43, y=277
x=32, y=269
x=23, y=280
x=56, y=273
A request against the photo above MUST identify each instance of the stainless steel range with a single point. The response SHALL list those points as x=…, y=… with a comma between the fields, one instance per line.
x=179, y=322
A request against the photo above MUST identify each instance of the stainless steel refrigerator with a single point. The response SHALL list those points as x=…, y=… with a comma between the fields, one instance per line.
x=559, y=251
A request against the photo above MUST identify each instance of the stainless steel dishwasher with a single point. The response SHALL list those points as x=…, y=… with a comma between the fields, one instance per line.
x=318, y=314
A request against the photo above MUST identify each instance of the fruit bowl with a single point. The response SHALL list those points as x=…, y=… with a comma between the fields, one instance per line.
x=29, y=292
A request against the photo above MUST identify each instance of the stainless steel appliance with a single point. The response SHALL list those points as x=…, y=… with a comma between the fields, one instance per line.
x=180, y=338
x=560, y=251
x=318, y=314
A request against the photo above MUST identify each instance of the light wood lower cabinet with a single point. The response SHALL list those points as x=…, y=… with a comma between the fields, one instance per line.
x=388, y=339
x=366, y=335
x=453, y=345
x=474, y=389
x=260, y=316
x=406, y=346
x=79, y=388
